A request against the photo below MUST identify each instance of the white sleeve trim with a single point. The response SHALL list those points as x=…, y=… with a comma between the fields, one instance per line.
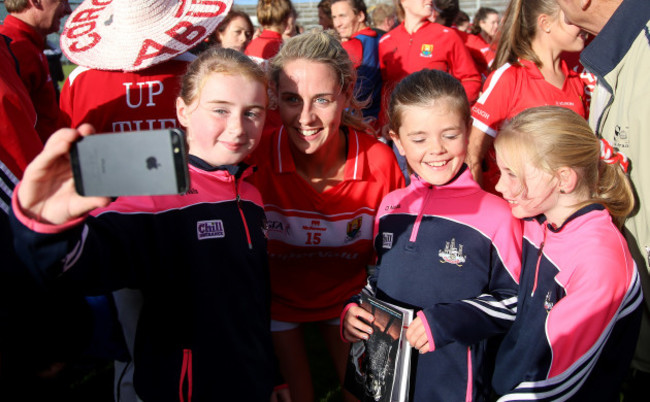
x=485, y=128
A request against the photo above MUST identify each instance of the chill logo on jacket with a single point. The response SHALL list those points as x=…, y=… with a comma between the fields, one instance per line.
x=452, y=254
x=210, y=229
x=426, y=50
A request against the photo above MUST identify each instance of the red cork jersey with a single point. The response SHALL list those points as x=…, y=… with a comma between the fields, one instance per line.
x=265, y=46
x=320, y=243
x=432, y=46
x=511, y=89
x=482, y=52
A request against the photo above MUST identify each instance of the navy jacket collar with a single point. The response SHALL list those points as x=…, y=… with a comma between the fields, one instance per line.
x=612, y=43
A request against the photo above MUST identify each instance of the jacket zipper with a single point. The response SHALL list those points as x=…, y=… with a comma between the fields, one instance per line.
x=241, y=213
x=186, y=373
x=470, y=376
x=418, y=220
x=539, y=260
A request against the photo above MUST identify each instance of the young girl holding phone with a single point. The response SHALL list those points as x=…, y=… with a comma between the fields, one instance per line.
x=579, y=299
x=445, y=248
x=200, y=258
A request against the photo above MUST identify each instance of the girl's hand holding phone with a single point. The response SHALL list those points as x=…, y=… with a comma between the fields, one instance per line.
x=47, y=192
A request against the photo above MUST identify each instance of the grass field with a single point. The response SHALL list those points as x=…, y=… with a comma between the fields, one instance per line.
x=67, y=69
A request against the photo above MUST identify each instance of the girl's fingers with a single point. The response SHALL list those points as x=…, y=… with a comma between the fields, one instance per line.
x=86, y=129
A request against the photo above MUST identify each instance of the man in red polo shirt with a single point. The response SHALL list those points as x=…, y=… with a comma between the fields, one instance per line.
x=28, y=23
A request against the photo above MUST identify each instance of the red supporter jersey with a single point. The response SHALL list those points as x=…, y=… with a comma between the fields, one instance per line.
x=432, y=46
x=482, y=52
x=265, y=46
x=125, y=101
x=511, y=89
x=320, y=243
x=28, y=46
x=19, y=142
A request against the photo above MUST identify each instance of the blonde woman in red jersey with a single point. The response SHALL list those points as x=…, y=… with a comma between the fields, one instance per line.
x=322, y=177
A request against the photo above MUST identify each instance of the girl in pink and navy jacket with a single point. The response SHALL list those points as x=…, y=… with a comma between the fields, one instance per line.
x=445, y=248
x=200, y=258
x=579, y=299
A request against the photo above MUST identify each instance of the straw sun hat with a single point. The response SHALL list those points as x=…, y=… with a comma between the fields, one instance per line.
x=131, y=35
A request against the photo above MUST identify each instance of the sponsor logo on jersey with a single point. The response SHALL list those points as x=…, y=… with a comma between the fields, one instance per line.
x=452, y=254
x=426, y=50
x=275, y=226
x=387, y=240
x=314, y=225
x=481, y=112
x=548, y=304
x=353, y=229
x=210, y=229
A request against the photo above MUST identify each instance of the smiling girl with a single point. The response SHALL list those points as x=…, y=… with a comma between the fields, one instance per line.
x=445, y=248
x=204, y=326
x=322, y=177
x=579, y=298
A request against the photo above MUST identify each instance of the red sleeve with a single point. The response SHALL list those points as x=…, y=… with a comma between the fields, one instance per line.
x=35, y=74
x=492, y=108
x=474, y=47
x=19, y=142
x=462, y=67
x=355, y=51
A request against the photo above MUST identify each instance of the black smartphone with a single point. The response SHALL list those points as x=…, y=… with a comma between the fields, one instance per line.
x=134, y=163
